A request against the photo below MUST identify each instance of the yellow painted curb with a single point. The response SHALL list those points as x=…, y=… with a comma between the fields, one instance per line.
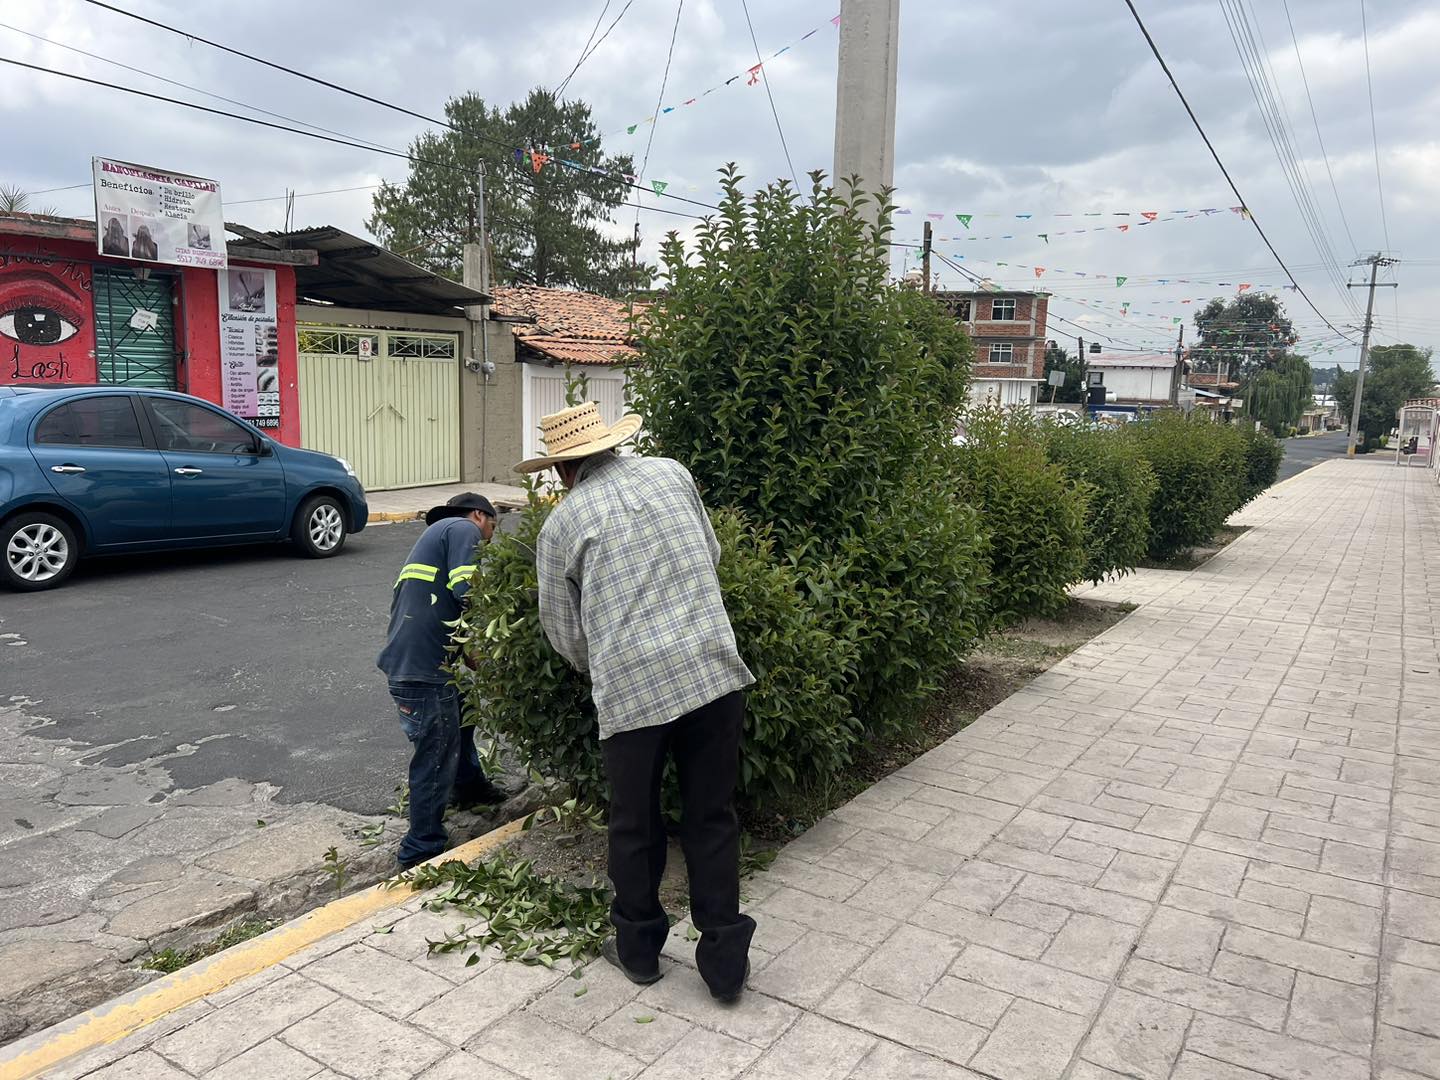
x=380, y=517
x=114, y=1020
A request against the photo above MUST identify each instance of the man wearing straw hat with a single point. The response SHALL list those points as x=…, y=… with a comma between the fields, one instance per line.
x=628, y=592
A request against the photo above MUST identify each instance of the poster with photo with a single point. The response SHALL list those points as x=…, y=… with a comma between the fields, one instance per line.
x=250, y=345
x=158, y=216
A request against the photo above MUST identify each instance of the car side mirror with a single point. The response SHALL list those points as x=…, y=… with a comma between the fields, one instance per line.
x=266, y=450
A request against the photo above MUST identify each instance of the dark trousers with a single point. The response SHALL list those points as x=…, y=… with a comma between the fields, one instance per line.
x=444, y=762
x=705, y=745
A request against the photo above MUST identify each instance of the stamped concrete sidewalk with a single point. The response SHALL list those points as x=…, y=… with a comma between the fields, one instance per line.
x=1206, y=846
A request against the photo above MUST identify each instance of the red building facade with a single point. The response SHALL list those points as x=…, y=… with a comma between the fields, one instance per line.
x=71, y=316
x=1008, y=329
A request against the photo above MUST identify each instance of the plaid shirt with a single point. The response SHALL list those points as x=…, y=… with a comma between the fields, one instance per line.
x=628, y=592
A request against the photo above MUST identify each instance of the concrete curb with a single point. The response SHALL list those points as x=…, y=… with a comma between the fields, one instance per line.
x=388, y=516
x=143, y=1006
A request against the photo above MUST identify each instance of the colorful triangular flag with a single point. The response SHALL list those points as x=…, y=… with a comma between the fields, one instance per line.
x=1123, y=228
x=1119, y=281
x=965, y=219
x=631, y=129
x=835, y=21
x=659, y=186
x=754, y=75
x=1149, y=215
x=1039, y=270
x=1024, y=215
x=538, y=160
x=1242, y=288
x=1044, y=236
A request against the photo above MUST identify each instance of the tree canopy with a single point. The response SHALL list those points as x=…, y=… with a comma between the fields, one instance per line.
x=1245, y=335
x=546, y=221
x=1057, y=359
x=1278, y=394
x=1396, y=373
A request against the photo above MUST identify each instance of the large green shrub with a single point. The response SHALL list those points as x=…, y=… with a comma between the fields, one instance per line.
x=1263, y=453
x=1201, y=470
x=1117, y=520
x=802, y=387
x=1033, y=513
x=798, y=723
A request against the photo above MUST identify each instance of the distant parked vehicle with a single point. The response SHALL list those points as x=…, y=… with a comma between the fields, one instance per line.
x=102, y=470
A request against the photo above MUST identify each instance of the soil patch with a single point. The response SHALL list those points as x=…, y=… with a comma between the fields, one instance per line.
x=1199, y=556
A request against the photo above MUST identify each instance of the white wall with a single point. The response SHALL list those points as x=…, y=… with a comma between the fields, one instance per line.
x=1004, y=391
x=1136, y=384
x=544, y=393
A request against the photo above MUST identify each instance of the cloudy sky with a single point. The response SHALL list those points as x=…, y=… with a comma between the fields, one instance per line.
x=1048, y=108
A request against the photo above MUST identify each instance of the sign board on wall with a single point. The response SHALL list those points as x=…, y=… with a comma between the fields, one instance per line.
x=158, y=216
x=250, y=346
x=47, y=325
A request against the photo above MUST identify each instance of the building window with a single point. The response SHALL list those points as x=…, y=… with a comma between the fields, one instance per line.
x=1002, y=352
x=1002, y=309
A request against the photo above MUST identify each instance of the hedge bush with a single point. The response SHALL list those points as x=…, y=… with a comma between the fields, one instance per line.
x=798, y=723
x=803, y=388
x=1117, y=520
x=1263, y=453
x=1202, y=473
x=1033, y=513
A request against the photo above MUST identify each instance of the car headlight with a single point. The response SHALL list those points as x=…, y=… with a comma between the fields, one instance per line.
x=346, y=466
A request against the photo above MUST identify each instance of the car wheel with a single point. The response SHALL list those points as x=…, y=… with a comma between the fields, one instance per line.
x=319, y=531
x=40, y=551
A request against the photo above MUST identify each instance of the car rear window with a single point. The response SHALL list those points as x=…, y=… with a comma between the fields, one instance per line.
x=102, y=420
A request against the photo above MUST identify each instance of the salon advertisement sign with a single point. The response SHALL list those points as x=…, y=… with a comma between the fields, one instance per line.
x=250, y=346
x=157, y=216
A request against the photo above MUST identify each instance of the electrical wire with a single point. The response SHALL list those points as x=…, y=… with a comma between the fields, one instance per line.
x=589, y=49
x=584, y=52
x=765, y=78
x=479, y=135
x=664, y=81
x=1374, y=137
x=1155, y=49
x=1315, y=119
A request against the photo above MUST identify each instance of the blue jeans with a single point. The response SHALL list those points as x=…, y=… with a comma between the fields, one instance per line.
x=443, y=761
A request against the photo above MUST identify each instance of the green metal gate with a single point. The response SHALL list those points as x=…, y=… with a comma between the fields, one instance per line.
x=134, y=329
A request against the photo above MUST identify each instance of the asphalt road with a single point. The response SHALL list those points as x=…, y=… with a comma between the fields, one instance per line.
x=1306, y=453
x=261, y=661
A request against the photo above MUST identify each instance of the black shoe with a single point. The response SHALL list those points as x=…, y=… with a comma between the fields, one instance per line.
x=484, y=793
x=734, y=995
x=410, y=864
x=610, y=950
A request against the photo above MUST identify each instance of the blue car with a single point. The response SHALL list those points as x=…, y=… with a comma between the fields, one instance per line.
x=101, y=470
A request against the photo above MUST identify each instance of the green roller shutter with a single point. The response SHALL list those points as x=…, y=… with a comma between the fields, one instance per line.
x=127, y=354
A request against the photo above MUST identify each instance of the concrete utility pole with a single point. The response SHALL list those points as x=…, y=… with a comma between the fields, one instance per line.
x=1177, y=376
x=925, y=258
x=1375, y=261
x=865, y=95
x=476, y=274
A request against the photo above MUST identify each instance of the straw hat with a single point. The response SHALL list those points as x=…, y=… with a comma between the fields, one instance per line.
x=576, y=433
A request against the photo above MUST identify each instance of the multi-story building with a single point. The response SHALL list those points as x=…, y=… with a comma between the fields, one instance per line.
x=1008, y=329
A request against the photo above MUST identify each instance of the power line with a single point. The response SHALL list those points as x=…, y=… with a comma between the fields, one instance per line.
x=1315, y=119
x=589, y=50
x=479, y=135
x=765, y=78
x=584, y=52
x=664, y=80
x=1215, y=154
x=1374, y=138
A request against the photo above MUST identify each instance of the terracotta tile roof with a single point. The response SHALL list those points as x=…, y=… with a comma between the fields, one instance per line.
x=566, y=325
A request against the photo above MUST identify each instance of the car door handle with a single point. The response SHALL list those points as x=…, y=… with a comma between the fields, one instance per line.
x=67, y=469
x=188, y=470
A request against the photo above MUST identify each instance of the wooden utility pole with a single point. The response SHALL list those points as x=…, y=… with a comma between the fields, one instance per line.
x=865, y=96
x=1376, y=261
x=925, y=258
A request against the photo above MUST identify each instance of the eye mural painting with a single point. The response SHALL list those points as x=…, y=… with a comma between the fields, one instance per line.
x=47, y=328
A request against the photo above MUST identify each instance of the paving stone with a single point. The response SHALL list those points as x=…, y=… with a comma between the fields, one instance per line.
x=647, y=1041
x=1035, y=830
x=809, y=970
x=1125, y=840
x=979, y=886
x=1031, y=1042
x=1402, y=950
x=897, y=1063
x=1192, y=1066
x=1414, y=916
x=1402, y=1049
x=539, y=1050
x=1204, y=994
x=1090, y=945
x=703, y=1055
x=1084, y=851
x=1344, y=925
x=458, y=1066
x=1035, y=862
x=1302, y=955
x=1410, y=998
x=1181, y=939
x=1247, y=971
x=1275, y=896
x=1137, y=875
x=911, y=1025
x=1234, y=910
x=1349, y=860
x=897, y=892
x=274, y=852
x=1080, y=898
x=968, y=926
x=1211, y=871
x=757, y=1019
x=1340, y=888
x=144, y=1065
x=818, y=913
x=200, y=897
x=1334, y=1013
x=226, y=1033
x=580, y=1004
x=963, y=834
x=1275, y=1055
x=385, y=1050
x=968, y=1001
x=1028, y=979
x=1137, y=1036
x=459, y=1013
x=272, y=1060
x=908, y=963
x=816, y=1049
x=377, y=979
